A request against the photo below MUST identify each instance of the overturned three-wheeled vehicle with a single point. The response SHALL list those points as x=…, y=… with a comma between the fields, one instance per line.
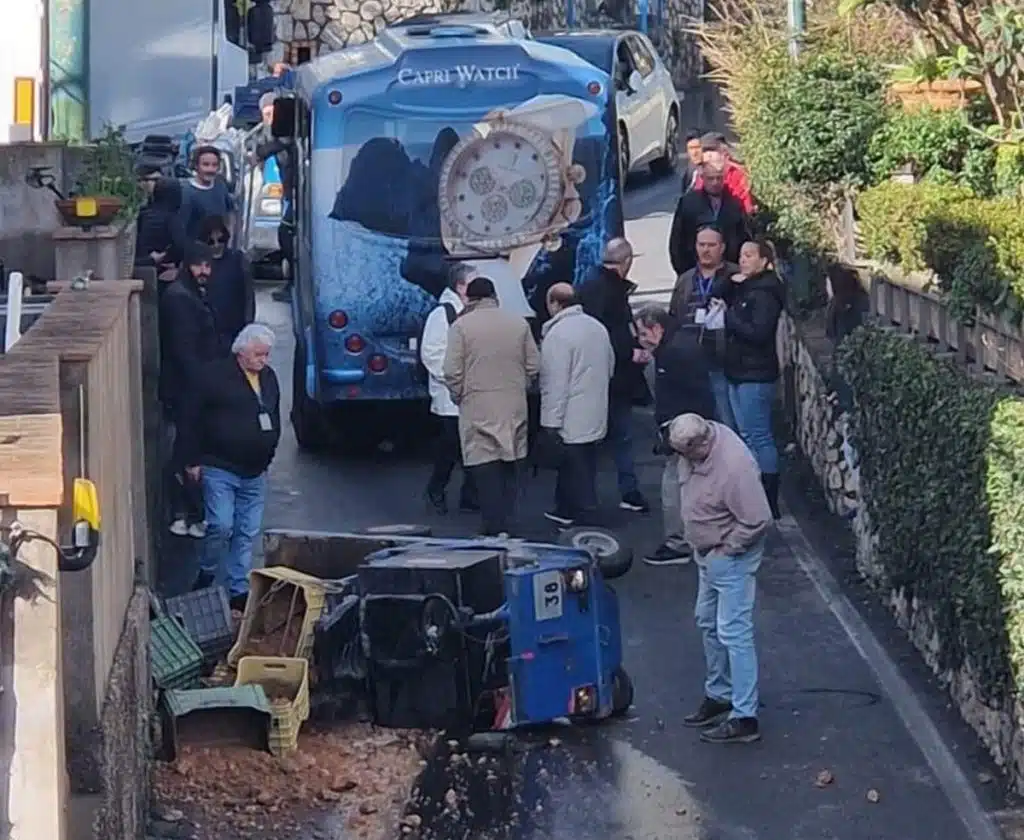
x=478, y=634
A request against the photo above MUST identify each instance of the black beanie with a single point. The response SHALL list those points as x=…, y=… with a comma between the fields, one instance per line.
x=197, y=253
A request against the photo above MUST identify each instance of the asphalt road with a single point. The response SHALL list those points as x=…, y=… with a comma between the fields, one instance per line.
x=831, y=734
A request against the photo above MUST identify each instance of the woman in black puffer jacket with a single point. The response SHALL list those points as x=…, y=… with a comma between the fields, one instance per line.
x=754, y=300
x=161, y=238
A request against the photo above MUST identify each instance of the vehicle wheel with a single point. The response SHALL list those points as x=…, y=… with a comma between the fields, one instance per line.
x=307, y=417
x=622, y=692
x=624, y=159
x=666, y=164
x=612, y=557
x=403, y=530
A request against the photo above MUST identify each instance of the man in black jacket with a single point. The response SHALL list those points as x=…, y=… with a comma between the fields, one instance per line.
x=709, y=205
x=682, y=385
x=230, y=430
x=605, y=296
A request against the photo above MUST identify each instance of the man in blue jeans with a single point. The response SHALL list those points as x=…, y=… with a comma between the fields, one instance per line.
x=725, y=516
x=231, y=430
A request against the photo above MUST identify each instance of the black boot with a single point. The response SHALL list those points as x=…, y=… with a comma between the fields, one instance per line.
x=770, y=482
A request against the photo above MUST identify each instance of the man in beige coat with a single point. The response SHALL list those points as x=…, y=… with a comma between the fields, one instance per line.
x=490, y=360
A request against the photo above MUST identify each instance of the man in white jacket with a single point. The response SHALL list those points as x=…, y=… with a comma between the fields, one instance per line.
x=576, y=366
x=433, y=346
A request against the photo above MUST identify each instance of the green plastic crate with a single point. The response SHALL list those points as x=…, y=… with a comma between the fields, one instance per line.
x=215, y=717
x=176, y=660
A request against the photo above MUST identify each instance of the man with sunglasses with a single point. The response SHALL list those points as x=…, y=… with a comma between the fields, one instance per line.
x=230, y=290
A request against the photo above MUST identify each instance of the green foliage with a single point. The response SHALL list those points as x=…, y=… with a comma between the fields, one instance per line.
x=1009, y=170
x=811, y=120
x=942, y=469
x=109, y=171
x=975, y=246
x=939, y=145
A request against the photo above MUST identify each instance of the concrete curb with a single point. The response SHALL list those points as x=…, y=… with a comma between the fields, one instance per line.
x=978, y=823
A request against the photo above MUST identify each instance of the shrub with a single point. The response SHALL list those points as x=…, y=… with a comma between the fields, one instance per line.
x=940, y=146
x=942, y=474
x=1009, y=170
x=894, y=219
x=975, y=246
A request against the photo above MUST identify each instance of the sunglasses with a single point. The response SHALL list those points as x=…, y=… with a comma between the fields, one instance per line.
x=217, y=240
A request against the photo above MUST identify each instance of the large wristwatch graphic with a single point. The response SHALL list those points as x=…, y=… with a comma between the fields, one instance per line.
x=511, y=183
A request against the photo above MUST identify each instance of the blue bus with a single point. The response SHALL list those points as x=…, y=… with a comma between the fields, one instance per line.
x=448, y=138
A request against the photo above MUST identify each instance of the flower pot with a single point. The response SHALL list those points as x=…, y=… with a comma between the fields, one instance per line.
x=939, y=95
x=88, y=212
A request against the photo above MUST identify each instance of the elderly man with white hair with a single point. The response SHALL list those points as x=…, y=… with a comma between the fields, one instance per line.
x=230, y=433
x=725, y=517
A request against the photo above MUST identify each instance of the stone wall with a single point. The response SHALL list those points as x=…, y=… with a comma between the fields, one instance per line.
x=125, y=758
x=818, y=429
x=327, y=25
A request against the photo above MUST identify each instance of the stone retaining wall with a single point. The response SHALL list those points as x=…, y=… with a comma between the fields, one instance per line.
x=326, y=25
x=818, y=429
x=125, y=757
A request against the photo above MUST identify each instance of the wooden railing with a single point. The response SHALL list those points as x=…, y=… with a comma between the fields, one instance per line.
x=993, y=344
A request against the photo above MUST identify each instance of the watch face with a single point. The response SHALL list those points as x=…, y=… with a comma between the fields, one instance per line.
x=502, y=189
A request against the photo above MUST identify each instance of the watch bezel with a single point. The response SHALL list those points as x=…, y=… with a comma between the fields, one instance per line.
x=541, y=222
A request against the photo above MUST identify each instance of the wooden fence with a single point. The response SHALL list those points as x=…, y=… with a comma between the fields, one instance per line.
x=992, y=344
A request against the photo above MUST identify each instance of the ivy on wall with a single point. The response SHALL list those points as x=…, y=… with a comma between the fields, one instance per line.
x=942, y=474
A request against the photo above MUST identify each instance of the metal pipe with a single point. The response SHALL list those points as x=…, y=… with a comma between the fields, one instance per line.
x=12, y=328
x=797, y=25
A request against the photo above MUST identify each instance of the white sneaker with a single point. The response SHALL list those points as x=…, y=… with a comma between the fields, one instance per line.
x=179, y=528
x=197, y=530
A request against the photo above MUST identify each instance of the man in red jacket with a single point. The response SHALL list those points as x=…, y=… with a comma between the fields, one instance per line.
x=737, y=183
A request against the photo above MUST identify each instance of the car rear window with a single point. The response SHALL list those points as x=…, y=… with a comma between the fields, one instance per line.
x=596, y=51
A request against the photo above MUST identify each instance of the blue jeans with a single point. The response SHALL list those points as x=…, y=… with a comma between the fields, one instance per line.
x=720, y=391
x=234, y=516
x=752, y=407
x=620, y=436
x=725, y=616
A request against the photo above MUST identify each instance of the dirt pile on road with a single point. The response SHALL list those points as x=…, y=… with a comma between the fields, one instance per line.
x=352, y=776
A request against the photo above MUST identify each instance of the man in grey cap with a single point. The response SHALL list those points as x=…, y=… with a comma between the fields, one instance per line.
x=725, y=517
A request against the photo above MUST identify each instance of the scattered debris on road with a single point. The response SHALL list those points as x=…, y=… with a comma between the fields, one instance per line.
x=352, y=775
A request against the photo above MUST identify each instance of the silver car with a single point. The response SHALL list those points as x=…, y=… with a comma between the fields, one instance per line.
x=645, y=97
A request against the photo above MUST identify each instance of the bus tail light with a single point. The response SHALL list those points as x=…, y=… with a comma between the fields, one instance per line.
x=273, y=191
x=355, y=344
x=338, y=319
x=377, y=364
x=594, y=88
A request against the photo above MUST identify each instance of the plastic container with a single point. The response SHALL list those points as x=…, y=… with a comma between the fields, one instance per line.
x=176, y=660
x=215, y=717
x=285, y=680
x=206, y=615
x=280, y=615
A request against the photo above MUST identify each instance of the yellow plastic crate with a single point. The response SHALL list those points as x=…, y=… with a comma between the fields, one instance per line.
x=281, y=600
x=285, y=681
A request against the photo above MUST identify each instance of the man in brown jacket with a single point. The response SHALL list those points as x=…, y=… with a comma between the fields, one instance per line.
x=490, y=360
x=725, y=517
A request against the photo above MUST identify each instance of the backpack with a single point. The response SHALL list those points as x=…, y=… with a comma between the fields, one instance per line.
x=450, y=314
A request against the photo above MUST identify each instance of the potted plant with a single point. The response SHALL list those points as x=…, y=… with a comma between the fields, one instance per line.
x=932, y=80
x=107, y=190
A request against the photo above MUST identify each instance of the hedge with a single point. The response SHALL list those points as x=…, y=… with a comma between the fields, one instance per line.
x=974, y=245
x=942, y=474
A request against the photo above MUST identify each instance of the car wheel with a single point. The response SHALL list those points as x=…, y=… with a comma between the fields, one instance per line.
x=308, y=421
x=624, y=159
x=622, y=692
x=612, y=557
x=666, y=164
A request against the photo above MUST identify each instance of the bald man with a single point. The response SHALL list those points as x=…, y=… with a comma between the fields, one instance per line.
x=708, y=203
x=576, y=366
x=605, y=296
